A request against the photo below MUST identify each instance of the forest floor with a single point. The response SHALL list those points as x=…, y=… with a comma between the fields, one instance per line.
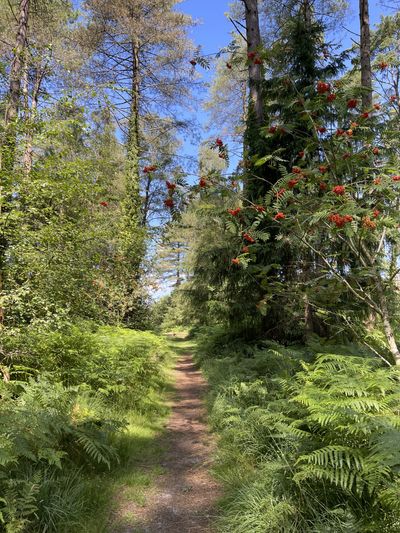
x=183, y=497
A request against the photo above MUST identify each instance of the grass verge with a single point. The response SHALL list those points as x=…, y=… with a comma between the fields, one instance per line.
x=112, y=495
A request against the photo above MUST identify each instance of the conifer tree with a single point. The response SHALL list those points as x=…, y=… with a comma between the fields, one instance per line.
x=141, y=58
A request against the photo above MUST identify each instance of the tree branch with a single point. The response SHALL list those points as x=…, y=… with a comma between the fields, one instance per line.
x=237, y=29
x=359, y=296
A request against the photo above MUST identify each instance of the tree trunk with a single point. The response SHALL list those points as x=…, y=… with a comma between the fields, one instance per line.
x=7, y=147
x=178, y=266
x=14, y=92
x=255, y=70
x=146, y=202
x=134, y=231
x=387, y=328
x=387, y=325
x=133, y=145
x=365, y=55
x=308, y=318
x=28, y=152
x=306, y=8
x=25, y=89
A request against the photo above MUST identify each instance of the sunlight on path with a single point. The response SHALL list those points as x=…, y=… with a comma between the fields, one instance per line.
x=184, y=497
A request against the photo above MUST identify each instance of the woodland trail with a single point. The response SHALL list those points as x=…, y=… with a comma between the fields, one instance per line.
x=183, y=498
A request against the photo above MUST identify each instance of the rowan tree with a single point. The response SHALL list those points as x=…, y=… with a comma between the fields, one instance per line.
x=343, y=207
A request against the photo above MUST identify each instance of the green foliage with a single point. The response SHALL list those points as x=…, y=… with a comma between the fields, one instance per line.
x=171, y=312
x=54, y=435
x=62, y=349
x=44, y=428
x=120, y=364
x=351, y=416
x=128, y=367
x=302, y=238
x=307, y=439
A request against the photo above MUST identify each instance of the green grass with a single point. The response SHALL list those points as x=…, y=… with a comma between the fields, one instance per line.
x=180, y=344
x=91, y=498
x=140, y=449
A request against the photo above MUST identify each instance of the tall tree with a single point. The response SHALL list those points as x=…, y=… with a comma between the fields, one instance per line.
x=8, y=141
x=141, y=59
x=228, y=100
x=14, y=92
x=171, y=254
x=365, y=54
x=49, y=58
x=254, y=45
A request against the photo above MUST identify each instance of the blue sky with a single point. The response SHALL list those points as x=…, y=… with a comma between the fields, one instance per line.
x=213, y=33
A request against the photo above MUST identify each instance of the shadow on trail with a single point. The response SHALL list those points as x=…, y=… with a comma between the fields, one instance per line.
x=185, y=495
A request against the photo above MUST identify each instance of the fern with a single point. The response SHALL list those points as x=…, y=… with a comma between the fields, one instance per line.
x=333, y=426
x=99, y=452
x=351, y=411
x=19, y=503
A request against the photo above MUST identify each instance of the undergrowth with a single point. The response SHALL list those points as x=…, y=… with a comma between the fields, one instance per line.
x=79, y=409
x=308, y=436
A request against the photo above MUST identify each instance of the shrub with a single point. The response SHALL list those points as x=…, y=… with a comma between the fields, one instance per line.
x=128, y=366
x=327, y=429
x=63, y=351
x=61, y=413
x=124, y=365
x=44, y=428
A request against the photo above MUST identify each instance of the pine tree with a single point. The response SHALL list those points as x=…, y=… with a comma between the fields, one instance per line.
x=141, y=56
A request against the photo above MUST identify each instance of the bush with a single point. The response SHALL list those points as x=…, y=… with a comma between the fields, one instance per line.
x=122, y=364
x=304, y=446
x=62, y=406
x=63, y=352
x=45, y=428
x=128, y=366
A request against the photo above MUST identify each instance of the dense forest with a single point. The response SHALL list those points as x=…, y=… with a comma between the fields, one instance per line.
x=161, y=205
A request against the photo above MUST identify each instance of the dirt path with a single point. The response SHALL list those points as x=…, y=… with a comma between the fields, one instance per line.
x=184, y=497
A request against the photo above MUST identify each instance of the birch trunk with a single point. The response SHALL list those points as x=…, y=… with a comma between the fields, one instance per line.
x=387, y=324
